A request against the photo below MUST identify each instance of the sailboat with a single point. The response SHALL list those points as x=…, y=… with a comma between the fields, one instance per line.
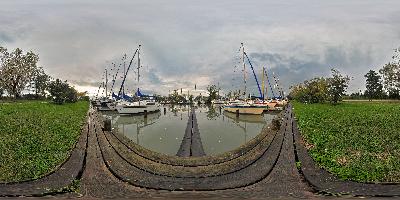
x=140, y=103
x=276, y=103
x=103, y=102
x=240, y=106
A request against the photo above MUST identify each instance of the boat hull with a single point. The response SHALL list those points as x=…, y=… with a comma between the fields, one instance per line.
x=245, y=110
x=137, y=109
x=112, y=106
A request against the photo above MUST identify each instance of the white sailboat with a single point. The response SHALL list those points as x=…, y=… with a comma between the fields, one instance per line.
x=244, y=107
x=138, y=107
x=141, y=105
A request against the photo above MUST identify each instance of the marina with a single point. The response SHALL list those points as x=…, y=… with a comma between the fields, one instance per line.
x=163, y=132
x=184, y=125
x=199, y=99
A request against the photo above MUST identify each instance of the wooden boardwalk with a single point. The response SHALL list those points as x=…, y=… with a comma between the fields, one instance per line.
x=191, y=142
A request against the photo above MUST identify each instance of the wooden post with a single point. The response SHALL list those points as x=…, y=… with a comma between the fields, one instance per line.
x=107, y=124
x=237, y=113
x=145, y=113
x=165, y=110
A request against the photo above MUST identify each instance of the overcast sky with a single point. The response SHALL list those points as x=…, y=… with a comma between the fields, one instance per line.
x=196, y=42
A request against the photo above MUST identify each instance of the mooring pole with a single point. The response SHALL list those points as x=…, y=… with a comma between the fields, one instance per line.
x=107, y=124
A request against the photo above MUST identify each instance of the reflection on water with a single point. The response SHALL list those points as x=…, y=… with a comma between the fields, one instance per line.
x=163, y=131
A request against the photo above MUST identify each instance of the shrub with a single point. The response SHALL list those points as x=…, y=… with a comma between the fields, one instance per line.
x=61, y=92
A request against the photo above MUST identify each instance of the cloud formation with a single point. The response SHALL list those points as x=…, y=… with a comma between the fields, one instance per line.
x=197, y=42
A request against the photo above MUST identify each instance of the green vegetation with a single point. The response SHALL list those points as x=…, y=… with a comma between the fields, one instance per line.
x=36, y=137
x=213, y=93
x=19, y=72
x=356, y=141
x=319, y=90
x=62, y=92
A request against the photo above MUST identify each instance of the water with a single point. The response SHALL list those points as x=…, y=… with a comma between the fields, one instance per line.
x=163, y=132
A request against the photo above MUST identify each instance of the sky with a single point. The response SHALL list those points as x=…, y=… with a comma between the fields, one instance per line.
x=187, y=43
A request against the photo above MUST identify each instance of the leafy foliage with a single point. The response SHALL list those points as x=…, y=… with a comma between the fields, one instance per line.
x=62, y=92
x=337, y=86
x=355, y=141
x=374, y=85
x=318, y=90
x=36, y=137
x=40, y=82
x=391, y=76
x=311, y=91
x=175, y=97
x=212, y=93
x=17, y=69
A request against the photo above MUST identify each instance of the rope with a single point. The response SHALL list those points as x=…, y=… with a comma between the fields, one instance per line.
x=269, y=83
x=126, y=73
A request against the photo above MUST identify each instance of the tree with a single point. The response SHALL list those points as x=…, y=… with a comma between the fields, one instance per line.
x=374, y=85
x=83, y=96
x=391, y=76
x=71, y=95
x=1, y=86
x=58, y=90
x=310, y=91
x=198, y=99
x=212, y=93
x=40, y=82
x=16, y=70
x=337, y=86
x=191, y=98
x=62, y=92
x=174, y=97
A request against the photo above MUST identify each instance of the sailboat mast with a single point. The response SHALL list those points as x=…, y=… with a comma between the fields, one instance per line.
x=263, y=85
x=106, y=84
x=138, y=68
x=123, y=86
x=218, y=91
x=244, y=72
x=138, y=65
x=266, y=87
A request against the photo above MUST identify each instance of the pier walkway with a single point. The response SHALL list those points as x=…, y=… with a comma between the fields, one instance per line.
x=191, y=143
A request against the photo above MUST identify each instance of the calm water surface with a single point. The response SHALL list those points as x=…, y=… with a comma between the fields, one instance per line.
x=163, y=131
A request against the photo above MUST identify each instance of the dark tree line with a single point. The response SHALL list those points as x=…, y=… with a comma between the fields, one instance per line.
x=20, y=74
x=385, y=84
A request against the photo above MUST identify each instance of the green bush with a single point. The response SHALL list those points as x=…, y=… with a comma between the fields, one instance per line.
x=61, y=92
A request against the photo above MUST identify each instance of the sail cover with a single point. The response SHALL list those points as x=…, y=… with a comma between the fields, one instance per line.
x=138, y=93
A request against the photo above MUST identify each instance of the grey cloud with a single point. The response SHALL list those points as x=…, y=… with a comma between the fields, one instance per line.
x=6, y=38
x=187, y=43
x=293, y=70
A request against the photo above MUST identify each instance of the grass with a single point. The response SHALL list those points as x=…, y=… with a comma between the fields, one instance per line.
x=357, y=141
x=36, y=137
